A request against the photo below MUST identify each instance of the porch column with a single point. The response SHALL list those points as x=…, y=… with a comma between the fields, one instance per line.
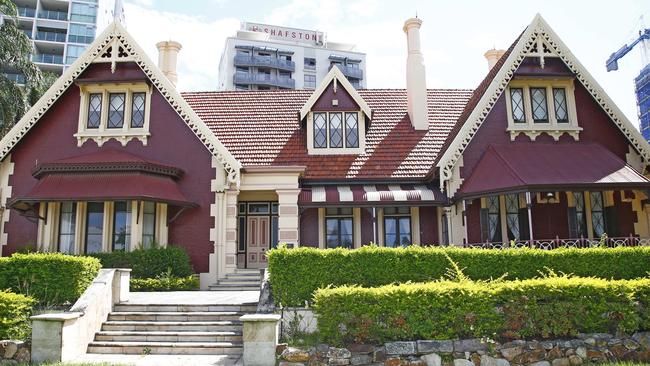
x=288, y=216
x=450, y=231
x=230, y=249
x=529, y=205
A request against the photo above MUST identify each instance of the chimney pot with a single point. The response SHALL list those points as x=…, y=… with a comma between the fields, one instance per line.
x=167, y=59
x=492, y=56
x=416, y=85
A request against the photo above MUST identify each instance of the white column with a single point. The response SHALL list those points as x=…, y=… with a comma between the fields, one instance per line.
x=288, y=231
x=230, y=248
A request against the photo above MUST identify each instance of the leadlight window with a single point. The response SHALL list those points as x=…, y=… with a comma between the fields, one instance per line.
x=121, y=225
x=397, y=226
x=336, y=130
x=116, y=110
x=149, y=224
x=94, y=110
x=517, y=105
x=351, y=130
x=538, y=105
x=258, y=208
x=580, y=215
x=320, y=130
x=559, y=101
x=597, y=213
x=94, y=227
x=338, y=228
x=512, y=216
x=137, y=110
x=67, y=226
x=491, y=220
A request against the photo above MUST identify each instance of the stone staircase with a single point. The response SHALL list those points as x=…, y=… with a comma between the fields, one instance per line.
x=172, y=330
x=240, y=280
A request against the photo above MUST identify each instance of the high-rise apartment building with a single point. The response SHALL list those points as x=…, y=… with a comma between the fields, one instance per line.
x=62, y=29
x=263, y=56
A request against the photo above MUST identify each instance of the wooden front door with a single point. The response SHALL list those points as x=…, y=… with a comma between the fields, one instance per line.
x=257, y=237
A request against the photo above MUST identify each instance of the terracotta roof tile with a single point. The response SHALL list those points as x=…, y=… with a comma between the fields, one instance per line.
x=262, y=128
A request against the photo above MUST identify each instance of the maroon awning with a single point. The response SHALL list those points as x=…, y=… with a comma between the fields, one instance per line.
x=105, y=187
x=543, y=166
x=370, y=195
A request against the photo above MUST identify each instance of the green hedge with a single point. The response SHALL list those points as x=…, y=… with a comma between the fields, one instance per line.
x=547, y=308
x=296, y=273
x=189, y=283
x=51, y=278
x=149, y=263
x=15, y=310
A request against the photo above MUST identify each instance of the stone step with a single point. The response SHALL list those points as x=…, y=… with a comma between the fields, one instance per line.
x=166, y=348
x=244, y=276
x=248, y=271
x=243, y=308
x=135, y=336
x=215, y=326
x=221, y=287
x=174, y=316
x=239, y=282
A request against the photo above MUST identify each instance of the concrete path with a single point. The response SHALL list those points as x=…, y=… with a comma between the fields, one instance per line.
x=161, y=360
x=194, y=297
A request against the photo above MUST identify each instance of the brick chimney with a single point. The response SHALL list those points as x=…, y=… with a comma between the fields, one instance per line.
x=416, y=85
x=167, y=57
x=492, y=56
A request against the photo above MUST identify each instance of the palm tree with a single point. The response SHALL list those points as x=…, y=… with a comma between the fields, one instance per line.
x=15, y=48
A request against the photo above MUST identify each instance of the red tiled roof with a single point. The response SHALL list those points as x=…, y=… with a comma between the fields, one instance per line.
x=261, y=128
x=475, y=98
x=519, y=167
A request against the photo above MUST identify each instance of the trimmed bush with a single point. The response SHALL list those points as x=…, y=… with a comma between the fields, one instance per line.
x=547, y=308
x=15, y=310
x=296, y=273
x=51, y=278
x=149, y=263
x=189, y=283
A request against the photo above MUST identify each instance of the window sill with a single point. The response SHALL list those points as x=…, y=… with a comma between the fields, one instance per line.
x=101, y=136
x=553, y=130
x=336, y=151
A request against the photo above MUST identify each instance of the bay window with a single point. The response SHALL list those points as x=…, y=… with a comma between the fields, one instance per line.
x=94, y=227
x=67, y=226
x=597, y=213
x=491, y=220
x=121, y=225
x=148, y=224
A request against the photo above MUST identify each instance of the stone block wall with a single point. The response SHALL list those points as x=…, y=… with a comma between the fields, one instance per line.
x=14, y=352
x=585, y=349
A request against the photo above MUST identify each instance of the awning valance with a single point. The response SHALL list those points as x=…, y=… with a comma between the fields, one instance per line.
x=544, y=166
x=104, y=187
x=370, y=195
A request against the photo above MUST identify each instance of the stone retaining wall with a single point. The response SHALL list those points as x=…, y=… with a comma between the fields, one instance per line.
x=14, y=352
x=586, y=349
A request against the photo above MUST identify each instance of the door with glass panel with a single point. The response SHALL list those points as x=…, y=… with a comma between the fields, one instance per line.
x=258, y=241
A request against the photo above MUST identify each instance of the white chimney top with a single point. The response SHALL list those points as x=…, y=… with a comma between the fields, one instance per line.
x=416, y=85
x=167, y=59
x=493, y=57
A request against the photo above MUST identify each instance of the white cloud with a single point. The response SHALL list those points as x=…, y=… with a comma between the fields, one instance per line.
x=202, y=41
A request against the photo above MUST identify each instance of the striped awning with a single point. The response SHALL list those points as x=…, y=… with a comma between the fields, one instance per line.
x=370, y=195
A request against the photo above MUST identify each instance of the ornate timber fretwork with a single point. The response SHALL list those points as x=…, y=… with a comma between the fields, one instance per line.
x=536, y=34
x=115, y=37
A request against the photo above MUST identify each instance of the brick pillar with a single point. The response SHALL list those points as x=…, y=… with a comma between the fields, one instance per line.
x=288, y=216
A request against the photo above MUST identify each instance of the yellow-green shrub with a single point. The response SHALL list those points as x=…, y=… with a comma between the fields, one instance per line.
x=296, y=273
x=15, y=311
x=545, y=307
x=189, y=283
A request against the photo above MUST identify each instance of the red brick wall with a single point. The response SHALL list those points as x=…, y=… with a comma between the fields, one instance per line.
x=367, y=233
x=428, y=226
x=309, y=227
x=171, y=142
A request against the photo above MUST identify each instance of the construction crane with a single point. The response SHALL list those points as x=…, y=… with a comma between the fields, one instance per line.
x=642, y=82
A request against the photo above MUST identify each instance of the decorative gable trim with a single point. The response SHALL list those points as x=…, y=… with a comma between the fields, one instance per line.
x=339, y=79
x=538, y=40
x=103, y=49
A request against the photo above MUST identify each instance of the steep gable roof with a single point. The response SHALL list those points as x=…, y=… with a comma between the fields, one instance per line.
x=113, y=46
x=537, y=38
x=335, y=76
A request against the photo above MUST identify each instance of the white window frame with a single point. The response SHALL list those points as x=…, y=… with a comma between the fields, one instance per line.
x=361, y=127
x=102, y=134
x=553, y=128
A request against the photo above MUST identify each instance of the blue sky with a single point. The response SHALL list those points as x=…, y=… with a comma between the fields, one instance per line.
x=455, y=34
